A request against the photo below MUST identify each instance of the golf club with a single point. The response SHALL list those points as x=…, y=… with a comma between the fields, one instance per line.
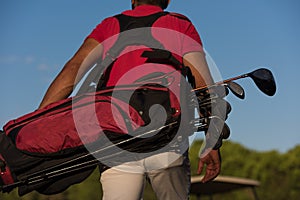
x=263, y=78
x=236, y=89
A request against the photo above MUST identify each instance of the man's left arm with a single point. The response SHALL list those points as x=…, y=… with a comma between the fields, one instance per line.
x=196, y=61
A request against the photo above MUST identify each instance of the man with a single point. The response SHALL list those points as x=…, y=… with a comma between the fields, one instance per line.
x=168, y=182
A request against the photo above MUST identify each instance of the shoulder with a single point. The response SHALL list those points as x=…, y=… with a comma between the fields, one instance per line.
x=180, y=16
x=109, y=19
x=107, y=23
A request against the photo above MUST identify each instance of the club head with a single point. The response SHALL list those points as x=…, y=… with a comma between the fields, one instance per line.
x=264, y=80
x=236, y=89
x=225, y=131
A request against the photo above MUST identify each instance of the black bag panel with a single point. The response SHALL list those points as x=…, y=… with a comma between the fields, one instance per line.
x=59, y=184
x=23, y=167
x=143, y=98
x=147, y=144
x=14, y=158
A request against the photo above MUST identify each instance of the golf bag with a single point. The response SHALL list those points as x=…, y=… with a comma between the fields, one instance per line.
x=50, y=149
x=40, y=142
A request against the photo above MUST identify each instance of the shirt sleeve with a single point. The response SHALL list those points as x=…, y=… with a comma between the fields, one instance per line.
x=104, y=30
x=191, y=40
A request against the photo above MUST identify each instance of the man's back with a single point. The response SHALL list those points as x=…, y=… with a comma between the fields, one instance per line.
x=173, y=31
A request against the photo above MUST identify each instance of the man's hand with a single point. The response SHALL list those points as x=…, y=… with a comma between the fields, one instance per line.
x=212, y=160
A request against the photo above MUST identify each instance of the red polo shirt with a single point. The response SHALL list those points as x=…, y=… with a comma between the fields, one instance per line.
x=174, y=31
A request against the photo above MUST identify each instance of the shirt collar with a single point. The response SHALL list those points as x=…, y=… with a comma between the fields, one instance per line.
x=143, y=10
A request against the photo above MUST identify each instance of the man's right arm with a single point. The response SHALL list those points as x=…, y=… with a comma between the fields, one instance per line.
x=72, y=72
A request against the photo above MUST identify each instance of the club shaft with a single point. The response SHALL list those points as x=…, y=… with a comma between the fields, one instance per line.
x=221, y=82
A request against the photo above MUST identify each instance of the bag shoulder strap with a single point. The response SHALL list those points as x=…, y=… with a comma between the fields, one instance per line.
x=139, y=35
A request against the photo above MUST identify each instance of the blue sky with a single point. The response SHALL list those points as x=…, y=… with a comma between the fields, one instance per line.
x=38, y=37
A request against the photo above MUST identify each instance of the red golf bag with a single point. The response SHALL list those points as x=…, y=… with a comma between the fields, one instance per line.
x=50, y=149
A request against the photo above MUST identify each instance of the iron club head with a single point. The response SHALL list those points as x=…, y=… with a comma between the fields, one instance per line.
x=236, y=89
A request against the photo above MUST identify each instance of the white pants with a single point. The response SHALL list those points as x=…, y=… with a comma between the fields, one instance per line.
x=169, y=182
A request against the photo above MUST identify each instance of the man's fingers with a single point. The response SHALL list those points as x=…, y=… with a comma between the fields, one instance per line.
x=210, y=175
x=200, y=167
x=211, y=172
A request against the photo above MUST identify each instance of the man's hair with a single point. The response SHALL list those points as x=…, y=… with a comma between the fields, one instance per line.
x=162, y=3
